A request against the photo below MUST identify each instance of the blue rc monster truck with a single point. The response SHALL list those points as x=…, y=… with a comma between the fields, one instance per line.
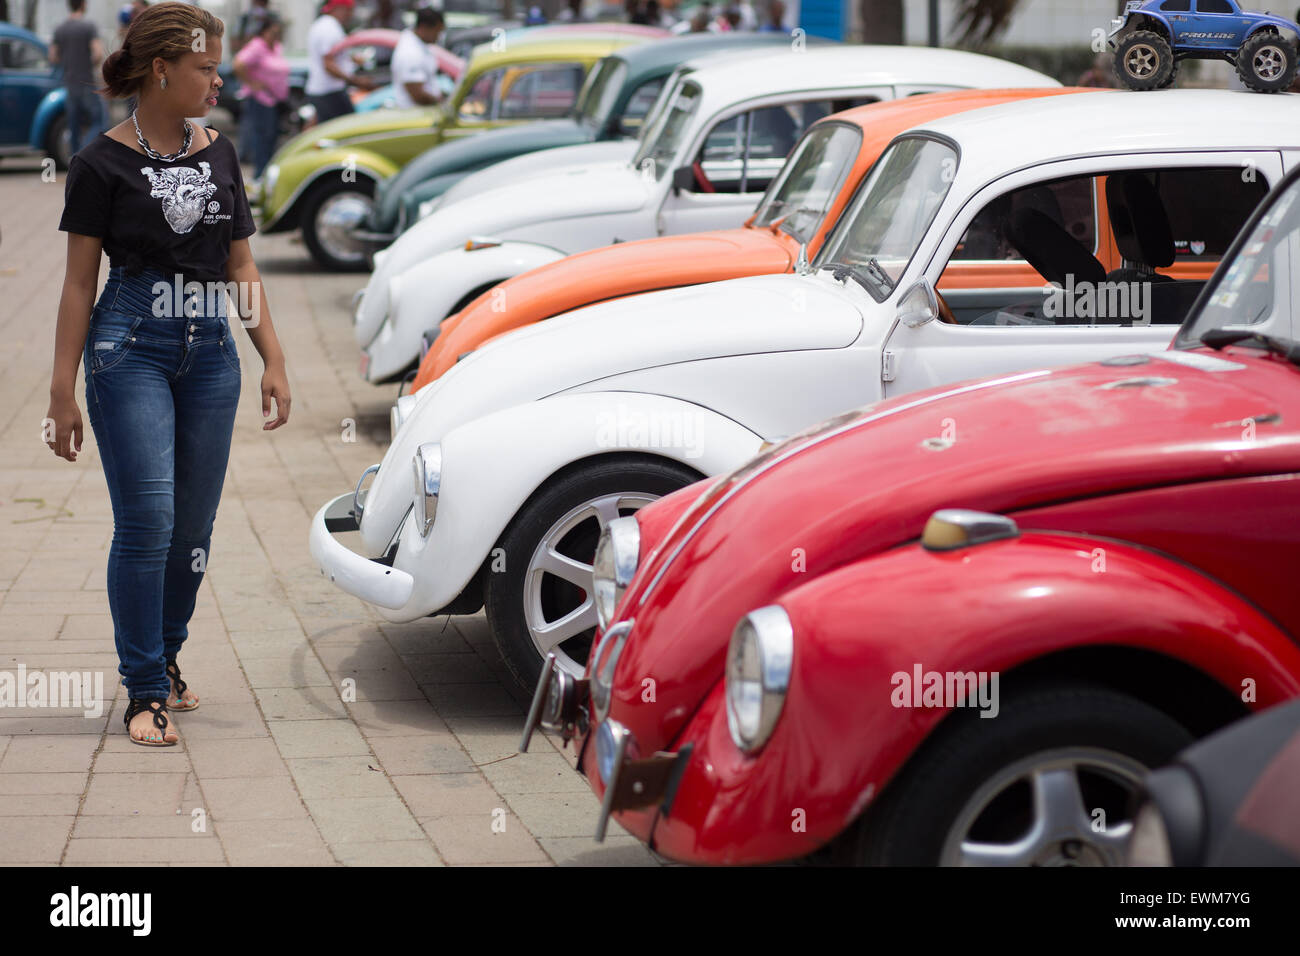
x=1152, y=36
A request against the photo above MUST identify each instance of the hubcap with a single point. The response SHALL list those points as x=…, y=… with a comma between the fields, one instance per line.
x=337, y=217
x=558, y=604
x=1043, y=811
x=1269, y=63
x=1141, y=61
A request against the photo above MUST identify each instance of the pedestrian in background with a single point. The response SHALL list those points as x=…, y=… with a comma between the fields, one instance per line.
x=775, y=22
x=78, y=49
x=328, y=78
x=251, y=23
x=166, y=203
x=263, y=85
x=388, y=16
x=415, y=67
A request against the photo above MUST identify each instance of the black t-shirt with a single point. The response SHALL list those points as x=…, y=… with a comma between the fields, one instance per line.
x=177, y=217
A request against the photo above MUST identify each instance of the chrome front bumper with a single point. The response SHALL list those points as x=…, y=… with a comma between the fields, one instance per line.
x=373, y=580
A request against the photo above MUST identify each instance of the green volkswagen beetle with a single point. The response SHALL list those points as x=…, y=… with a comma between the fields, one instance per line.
x=323, y=180
x=611, y=105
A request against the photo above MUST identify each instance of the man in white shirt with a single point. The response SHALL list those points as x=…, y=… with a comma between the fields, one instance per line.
x=328, y=78
x=415, y=68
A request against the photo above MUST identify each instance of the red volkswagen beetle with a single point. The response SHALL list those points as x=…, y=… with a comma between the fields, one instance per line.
x=958, y=627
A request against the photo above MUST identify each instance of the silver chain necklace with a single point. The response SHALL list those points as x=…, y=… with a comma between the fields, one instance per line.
x=153, y=153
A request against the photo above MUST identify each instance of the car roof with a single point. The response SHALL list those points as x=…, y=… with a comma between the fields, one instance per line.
x=736, y=80
x=933, y=106
x=10, y=30
x=1089, y=123
x=669, y=52
x=522, y=50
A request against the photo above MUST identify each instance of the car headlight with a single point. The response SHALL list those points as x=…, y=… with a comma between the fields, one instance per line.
x=614, y=565
x=759, y=661
x=428, y=482
x=399, y=414
x=269, y=177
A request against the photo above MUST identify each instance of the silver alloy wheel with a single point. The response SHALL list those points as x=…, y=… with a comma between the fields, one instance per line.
x=547, y=561
x=336, y=217
x=1061, y=831
x=1142, y=61
x=1269, y=62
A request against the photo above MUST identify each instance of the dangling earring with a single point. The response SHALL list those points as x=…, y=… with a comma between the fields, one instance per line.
x=164, y=82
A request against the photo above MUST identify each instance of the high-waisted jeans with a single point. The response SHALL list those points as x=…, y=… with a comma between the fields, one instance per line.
x=161, y=395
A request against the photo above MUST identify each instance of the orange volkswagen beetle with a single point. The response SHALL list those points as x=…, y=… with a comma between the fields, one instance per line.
x=802, y=205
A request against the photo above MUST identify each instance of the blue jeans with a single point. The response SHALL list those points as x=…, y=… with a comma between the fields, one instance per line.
x=84, y=108
x=161, y=395
x=261, y=124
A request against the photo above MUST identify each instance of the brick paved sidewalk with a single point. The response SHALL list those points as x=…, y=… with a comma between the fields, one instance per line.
x=274, y=768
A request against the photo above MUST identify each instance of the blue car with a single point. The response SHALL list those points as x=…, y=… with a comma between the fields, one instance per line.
x=1151, y=36
x=31, y=98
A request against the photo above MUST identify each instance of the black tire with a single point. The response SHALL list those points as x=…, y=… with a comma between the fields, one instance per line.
x=1266, y=63
x=505, y=590
x=58, y=143
x=939, y=790
x=1144, y=61
x=323, y=249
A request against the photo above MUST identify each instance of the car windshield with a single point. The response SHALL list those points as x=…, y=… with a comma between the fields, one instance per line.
x=879, y=233
x=1249, y=292
x=601, y=91
x=663, y=138
x=810, y=180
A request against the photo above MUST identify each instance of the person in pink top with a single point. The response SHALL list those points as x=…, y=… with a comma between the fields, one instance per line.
x=264, y=84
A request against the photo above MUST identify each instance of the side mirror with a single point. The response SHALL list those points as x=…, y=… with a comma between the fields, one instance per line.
x=683, y=178
x=918, y=305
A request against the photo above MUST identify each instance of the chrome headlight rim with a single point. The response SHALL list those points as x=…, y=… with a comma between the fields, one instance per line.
x=358, y=499
x=604, y=661
x=760, y=659
x=428, y=485
x=618, y=552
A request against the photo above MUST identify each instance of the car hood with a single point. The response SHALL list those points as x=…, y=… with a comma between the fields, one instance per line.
x=569, y=193
x=582, y=348
x=998, y=445
x=346, y=129
x=610, y=272
x=473, y=152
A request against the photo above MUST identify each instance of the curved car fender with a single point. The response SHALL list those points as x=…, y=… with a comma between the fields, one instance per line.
x=51, y=107
x=422, y=296
x=491, y=466
x=854, y=714
x=301, y=172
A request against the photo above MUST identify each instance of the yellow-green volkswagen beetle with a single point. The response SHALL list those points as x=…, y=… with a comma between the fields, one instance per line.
x=322, y=180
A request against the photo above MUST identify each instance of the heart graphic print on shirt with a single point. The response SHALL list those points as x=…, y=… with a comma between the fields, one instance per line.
x=183, y=191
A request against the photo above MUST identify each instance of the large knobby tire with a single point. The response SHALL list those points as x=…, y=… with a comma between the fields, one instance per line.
x=1266, y=63
x=1144, y=61
x=1024, y=787
x=531, y=607
x=328, y=211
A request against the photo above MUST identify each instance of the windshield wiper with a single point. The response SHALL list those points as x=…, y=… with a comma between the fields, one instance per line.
x=1218, y=338
x=877, y=273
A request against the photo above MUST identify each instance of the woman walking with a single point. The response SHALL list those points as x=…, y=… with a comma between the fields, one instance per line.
x=166, y=203
x=264, y=84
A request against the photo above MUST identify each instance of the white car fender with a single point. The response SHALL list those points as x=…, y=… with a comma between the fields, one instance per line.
x=424, y=295
x=493, y=465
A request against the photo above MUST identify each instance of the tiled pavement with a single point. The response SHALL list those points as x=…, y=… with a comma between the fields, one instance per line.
x=275, y=767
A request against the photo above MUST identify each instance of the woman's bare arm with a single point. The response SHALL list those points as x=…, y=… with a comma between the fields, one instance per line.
x=242, y=270
x=79, y=281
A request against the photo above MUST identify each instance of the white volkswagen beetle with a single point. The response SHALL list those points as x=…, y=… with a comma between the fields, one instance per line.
x=703, y=163
x=508, y=467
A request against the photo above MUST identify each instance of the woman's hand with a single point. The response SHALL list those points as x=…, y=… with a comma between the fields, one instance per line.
x=63, y=427
x=275, y=384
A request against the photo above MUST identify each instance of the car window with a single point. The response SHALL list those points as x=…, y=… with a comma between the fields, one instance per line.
x=601, y=88
x=1119, y=249
x=810, y=180
x=640, y=103
x=660, y=141
x=18, y=54
x=1214, y=6
x=1176, y=6
x=477, y=104
x=539, y=92
x=746, y=152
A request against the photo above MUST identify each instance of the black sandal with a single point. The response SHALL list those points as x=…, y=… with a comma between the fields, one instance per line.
x=174, y=672
x=158, y=706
